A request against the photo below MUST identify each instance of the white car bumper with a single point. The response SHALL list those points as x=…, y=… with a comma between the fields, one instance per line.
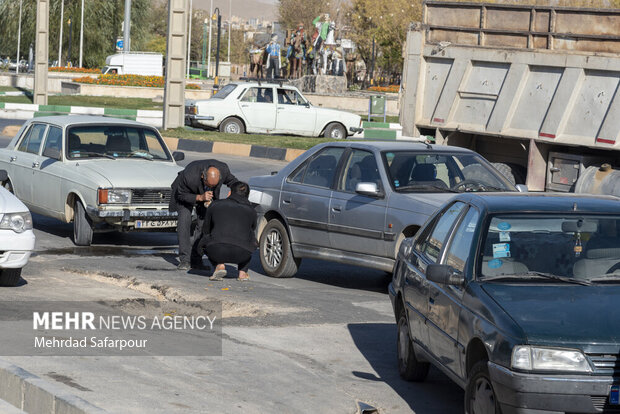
x=15, y=248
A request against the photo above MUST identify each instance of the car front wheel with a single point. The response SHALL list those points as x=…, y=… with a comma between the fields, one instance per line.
x=276, y=255
x=335, y=131
x=10, y=277
x=82, y=226
x=479, y=392
x=409, y=368
x=232, y=126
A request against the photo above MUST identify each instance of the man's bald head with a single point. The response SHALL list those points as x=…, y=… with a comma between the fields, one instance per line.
x=212, y=177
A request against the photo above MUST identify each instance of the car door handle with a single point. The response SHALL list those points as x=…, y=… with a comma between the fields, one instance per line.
x=336, y=209
x=245, y=106
x=12, y=159
x=35, y=164
x=286, y=201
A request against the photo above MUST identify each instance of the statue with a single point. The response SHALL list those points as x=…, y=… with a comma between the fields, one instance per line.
x=273, y=57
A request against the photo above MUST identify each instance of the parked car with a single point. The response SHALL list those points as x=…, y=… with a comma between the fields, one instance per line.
x=16, y=237
x=250, y=107
x=99, y=173
x=354, y=202
x=514, y=298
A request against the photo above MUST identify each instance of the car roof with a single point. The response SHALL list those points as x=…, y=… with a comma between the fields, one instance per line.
x=400, y=146
x=529, y=203
x=263, y=84
x=68, y=120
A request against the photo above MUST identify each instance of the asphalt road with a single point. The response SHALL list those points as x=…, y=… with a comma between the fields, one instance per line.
x=322, y=341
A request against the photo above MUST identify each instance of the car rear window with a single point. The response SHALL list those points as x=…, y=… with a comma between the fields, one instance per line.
x=225, y=91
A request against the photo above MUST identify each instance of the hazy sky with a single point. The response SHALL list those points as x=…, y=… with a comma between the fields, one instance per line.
x=266, y=9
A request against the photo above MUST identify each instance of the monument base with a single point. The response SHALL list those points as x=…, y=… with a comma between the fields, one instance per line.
x=321, y=84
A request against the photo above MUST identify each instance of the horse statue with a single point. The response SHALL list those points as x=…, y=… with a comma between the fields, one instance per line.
x=257, y=62
x=297, y=52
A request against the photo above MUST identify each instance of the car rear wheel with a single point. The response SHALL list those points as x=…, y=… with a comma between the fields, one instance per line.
x=409, y=368
x=276, y=255
x=232, y=126
x=479, y=392
x=10, y=277
x=82, y=226
x=335, y=131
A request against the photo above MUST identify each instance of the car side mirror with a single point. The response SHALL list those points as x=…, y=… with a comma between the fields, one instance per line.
x=368, y=189
x=3, y=175
x=444, y=274
x=178, y=156
x=52, y=153
x=522, y=188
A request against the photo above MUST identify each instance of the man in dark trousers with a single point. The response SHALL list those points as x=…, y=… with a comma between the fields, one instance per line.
x=196, y=186
x=228, y=235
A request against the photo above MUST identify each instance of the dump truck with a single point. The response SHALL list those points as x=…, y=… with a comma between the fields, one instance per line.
x=534, y=89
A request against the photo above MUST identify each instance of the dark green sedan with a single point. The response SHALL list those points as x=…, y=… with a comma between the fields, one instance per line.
x=516, y=297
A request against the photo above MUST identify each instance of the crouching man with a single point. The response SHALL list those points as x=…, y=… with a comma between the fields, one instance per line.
x=228, y=234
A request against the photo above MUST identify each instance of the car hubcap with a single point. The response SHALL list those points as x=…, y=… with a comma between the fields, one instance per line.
x=403, y=344
x=232, y=128
x=273, y=249
x=483, y=400
x=336, y=133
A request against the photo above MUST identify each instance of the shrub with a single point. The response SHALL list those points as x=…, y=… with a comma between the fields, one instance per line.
x=129, y=80
x=388, y=89
x=73, y=70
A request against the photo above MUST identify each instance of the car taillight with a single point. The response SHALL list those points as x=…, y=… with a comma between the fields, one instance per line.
x=103, y=195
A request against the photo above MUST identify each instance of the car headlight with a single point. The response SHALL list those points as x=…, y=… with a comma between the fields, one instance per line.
x=18, y=222
x=112, y=196
x=531, y=358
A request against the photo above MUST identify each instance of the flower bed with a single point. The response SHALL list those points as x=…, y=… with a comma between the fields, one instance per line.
x=129, y=80
x=73, y=70
x=388, y=89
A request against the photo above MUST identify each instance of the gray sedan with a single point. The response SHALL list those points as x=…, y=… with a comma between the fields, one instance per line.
x=354, y=203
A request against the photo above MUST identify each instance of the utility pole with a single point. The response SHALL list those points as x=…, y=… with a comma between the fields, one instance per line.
x=82, y=33
x=204, y=49
x=174, y=89
x=217, y=51
x=189, y=37
x=229, y=26
x=209, y=55
x=70, y=37
x=19, y=36
x=127, y=31
x=62, y=21
x=41, y=36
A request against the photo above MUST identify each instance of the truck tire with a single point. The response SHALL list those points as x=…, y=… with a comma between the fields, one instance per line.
x=10, y=277
x=232, y=126
x=8, y=186
x=335, y=131
x=82, y=226
x=409, y=367
x=276, y=255
x=505, y=170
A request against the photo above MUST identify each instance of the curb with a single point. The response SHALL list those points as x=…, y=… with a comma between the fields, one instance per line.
x=25, y=391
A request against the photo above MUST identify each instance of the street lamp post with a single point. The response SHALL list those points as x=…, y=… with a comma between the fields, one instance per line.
x=189, y=37
x=217, y=51
x=70, y=37
x=229, y=25
x=19, y=36
x=82, y=33
x=209, y=55
x=62, y=19
x=204, y=48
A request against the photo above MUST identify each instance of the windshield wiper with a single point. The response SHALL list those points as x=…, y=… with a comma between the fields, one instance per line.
x=93, y=154
x=492, y=188
x=143, y=155
x=550, y=276
x=612, y=277
x=426, y=186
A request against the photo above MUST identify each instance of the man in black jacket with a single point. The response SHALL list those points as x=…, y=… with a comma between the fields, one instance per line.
x=196, y=186
x=228, y=235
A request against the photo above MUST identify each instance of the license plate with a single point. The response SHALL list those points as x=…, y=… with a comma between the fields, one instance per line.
x=155, y=224
x=614, y=395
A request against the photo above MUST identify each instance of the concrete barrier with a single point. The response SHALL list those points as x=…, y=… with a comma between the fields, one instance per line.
x=25, y=391
x=86, y=89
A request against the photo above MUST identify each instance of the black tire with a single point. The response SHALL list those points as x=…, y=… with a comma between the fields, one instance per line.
x=409, y=368
x=8, y=186
x=335, y=131
x=276, y=255
x=82, y=226
x=10, y=277
x=479, y=393
x=505, y=170
x=232, y=126
x=519, y=173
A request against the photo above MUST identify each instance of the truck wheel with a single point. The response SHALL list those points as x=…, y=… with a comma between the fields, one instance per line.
x=335, y=131
x=505, y=170
x=479, y=393
x=8, y=186
x=276, y=255
x=232, y=126
x=409, y=368
x=10, y=277
x=82, y=226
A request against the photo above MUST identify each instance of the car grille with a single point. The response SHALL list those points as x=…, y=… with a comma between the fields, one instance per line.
x=601, y=402
x=154, y=196
x=605, y=364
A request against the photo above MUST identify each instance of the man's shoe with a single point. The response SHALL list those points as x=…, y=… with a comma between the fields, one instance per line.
x=199, y=266
x=184, y=266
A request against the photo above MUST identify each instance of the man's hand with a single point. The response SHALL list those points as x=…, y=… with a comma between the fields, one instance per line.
x=206, y=197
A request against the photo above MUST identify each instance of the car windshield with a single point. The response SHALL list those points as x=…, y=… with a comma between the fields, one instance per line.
x=411, y=171
x=559, y=248
x=115, y=141
x=225, y=91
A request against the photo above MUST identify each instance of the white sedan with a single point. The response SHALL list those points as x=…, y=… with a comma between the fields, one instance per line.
x=250, y=107
x=16, y=236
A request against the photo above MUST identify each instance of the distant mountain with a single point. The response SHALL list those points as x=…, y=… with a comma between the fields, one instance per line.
x=248, y=9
